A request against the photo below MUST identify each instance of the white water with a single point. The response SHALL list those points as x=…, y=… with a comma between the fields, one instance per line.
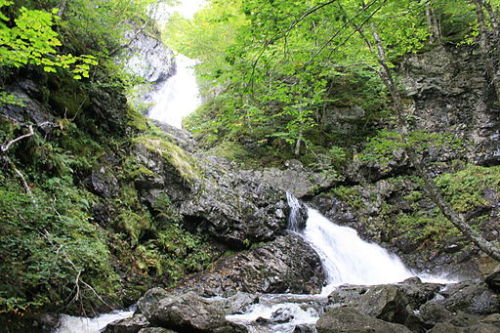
x=346, y=258
x=70, y=324
x=178, y=96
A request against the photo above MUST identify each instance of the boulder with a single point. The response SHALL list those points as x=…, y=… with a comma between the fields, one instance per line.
x=103, y=183
x=433, y=313
x=287, y=264
x=190, y=312
x=233, y=208
x=148, y=303
x=128, y=325
x=473, y=297
x=294, y=178
x=213, y=195
x=347, y=319
x=393, y=303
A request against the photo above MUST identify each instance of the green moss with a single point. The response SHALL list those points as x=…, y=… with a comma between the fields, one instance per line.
x=423, y=227
x=137, y=120
x=174, y=155
x=465, y=189
x=50, y=243
x=134, y=223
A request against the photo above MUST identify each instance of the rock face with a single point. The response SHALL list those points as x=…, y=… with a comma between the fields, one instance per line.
x=129, y=325
x=286, y=264
x=450, y=94
x=212, y=194
x=148, y=57
x=294, y=178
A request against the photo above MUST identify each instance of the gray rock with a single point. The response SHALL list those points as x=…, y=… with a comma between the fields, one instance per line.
x=295, y=179
x=148, y=303
x=287, y=264
x=433, y=313
x=450, y=328
x=191, y=312
x=392, y=303
x=148, y=57
x=471, y=297
x=346, y=320
x=128, y=325
x=102, y=182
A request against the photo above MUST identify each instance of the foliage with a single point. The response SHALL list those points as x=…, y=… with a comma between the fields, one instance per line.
x=275, y=70
x=32, y=40
x=381, y=149
x=51, y=242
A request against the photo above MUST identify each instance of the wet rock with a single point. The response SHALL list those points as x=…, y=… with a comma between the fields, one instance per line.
x=493, y=281
x=346, y=320
x=233, y=208
x=180, y=137
x=472, y=297
x=433, y=313
x=190, y=312
x=294, y=178
x=128, y=325
x=148, y=303
x=393, y=303
x=220, y=201
x=287, y=264
x=305, y=329
x=148, y=57
x=346, y=294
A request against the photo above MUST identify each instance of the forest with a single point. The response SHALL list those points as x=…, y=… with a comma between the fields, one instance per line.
x=383, y=115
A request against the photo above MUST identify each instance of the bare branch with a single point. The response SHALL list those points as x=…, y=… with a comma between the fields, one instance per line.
x=6, y=146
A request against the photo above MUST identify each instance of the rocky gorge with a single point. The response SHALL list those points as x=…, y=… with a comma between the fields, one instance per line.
x=201, y=243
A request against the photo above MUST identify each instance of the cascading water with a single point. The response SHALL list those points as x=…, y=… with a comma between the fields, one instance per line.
x=178, y=96
x=346, y=258
x=70, y=324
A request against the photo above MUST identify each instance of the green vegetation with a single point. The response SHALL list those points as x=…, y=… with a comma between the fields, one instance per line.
x=282, y=79
x=465, y=189
x=400, y=207
x=70, y=250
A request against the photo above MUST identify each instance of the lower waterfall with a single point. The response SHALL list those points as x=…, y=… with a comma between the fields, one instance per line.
x=346, y=258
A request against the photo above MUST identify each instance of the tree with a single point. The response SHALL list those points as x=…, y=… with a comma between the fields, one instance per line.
x=284, y=39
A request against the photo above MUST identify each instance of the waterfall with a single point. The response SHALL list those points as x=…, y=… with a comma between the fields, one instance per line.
x=178, y=96
x=347, y=258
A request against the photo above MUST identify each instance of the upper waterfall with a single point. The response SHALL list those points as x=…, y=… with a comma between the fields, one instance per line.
x=178, y=96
